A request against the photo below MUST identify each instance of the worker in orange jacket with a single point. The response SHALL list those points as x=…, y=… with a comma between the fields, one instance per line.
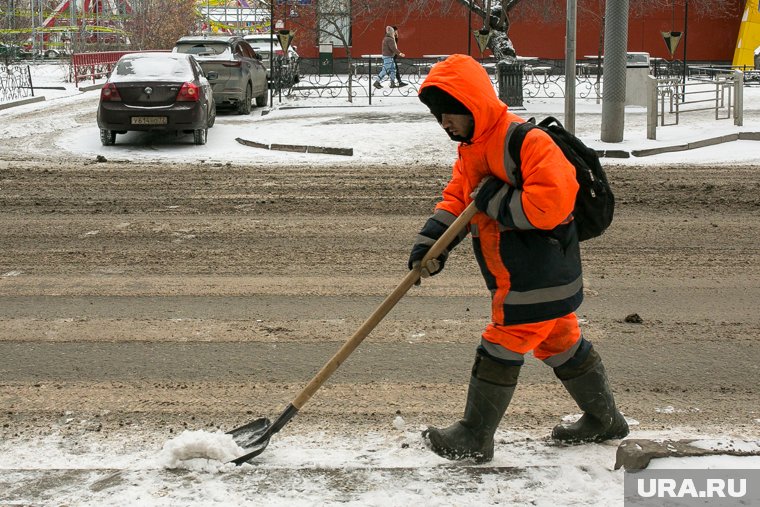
x=526, y=244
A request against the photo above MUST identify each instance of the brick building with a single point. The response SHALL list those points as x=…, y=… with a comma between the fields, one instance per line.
x=711, y=37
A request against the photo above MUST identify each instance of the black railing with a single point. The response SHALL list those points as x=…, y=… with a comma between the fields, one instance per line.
x=15, y=82
x=540, y=78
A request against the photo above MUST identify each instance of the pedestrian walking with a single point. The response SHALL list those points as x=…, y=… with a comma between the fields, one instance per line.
x=389, y=50
x=526, y=244
x=395, y=59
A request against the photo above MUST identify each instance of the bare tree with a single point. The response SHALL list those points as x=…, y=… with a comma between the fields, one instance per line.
x=157, y=24
x=333, y=21
x=15, y=30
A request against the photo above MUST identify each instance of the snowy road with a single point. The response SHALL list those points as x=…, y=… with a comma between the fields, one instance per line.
x=174, y=287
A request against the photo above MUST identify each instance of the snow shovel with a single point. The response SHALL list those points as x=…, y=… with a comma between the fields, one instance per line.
x=254, y=436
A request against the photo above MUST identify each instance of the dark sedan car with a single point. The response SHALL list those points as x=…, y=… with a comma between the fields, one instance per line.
x=156, y=91
x=239, y=76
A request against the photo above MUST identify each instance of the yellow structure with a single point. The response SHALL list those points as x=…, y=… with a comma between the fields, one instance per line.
x=749, y=35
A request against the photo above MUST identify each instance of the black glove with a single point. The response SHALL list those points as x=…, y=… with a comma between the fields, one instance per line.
x=433, y=229
x=428, y=235
x=492, y=197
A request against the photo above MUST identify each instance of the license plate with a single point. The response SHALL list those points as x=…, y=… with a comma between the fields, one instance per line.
x=149, y=120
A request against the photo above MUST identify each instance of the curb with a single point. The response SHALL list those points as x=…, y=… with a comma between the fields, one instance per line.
x=29, y=100
x=636, y=453
x=741, y=136
x=612, y=154
x=90, y=87
x=298, y=148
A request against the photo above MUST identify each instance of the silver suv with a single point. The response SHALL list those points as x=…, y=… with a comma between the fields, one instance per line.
x=233, y=68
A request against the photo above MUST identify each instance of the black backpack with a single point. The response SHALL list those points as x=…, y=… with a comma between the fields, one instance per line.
x=594, y=203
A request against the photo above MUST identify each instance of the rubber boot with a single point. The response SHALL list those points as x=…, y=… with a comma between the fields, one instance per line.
x=587, y=384
x=491, y=387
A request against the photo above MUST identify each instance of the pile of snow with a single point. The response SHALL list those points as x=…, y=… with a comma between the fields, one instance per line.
x=200, y=451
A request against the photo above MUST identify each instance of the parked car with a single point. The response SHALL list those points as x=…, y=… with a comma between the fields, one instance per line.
x=156, y=91
x=10, y=52
x=239, y=75
x=265, y=43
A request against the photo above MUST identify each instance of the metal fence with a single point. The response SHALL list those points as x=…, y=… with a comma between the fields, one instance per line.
x=15, y=82
x=716, y=91
x=352, y=79
x=93, y=66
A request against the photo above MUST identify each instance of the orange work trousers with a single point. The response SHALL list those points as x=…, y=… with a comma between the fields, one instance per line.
x=546, y=339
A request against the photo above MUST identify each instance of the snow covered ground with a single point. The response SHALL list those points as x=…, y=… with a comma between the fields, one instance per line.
x=394, y=126
x=385, y=469
x=379, y=469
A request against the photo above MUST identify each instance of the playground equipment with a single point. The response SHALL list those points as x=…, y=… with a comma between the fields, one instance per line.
x=749, y=36
x=235, y=16
x=51, y=28
x=54, y=27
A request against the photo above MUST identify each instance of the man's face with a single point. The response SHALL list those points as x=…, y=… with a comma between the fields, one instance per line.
x=458, y=126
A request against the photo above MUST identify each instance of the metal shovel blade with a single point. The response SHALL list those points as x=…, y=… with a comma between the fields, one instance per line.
x=253, y=437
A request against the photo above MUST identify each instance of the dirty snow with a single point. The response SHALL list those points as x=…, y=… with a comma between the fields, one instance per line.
x=387, y=468
x=199, y=450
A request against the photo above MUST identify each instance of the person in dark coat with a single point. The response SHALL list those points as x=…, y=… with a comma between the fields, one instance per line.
x=389, y=50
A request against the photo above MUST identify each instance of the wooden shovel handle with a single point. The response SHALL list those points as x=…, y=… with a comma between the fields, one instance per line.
x=386, y=306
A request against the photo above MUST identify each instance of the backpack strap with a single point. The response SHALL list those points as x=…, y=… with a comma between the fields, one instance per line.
x=515, y=145
x=549, y=120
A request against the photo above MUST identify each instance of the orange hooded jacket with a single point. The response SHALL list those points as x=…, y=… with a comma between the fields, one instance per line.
x=531, y=261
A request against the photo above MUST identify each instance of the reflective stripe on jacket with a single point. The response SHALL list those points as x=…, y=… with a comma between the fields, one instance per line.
x=531, y=262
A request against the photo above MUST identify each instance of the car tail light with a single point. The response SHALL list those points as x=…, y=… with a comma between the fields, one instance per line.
x=109, y=93
x=236, y=63
x=278, y=52
x=190, y=92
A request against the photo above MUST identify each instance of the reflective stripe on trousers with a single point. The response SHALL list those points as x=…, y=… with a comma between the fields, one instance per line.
x=552, y=341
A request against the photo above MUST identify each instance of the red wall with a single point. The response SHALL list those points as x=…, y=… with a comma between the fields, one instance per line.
x=710, y=37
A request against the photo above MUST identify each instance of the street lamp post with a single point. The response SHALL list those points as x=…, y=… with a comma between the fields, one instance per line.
x=469, y=27
x=685, y=32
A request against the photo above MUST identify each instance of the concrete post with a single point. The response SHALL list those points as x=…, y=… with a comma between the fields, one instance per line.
x=738, y=98
x=570, y=32
x=651, y=107
x=615, y=48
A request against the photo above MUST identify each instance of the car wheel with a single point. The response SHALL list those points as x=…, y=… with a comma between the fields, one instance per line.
x=245, y=105
x=263, y=99
x=107, y=137
x=200, y=135
x=212, y=117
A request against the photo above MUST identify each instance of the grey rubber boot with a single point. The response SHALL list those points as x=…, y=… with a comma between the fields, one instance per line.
x=491, y=387
x=588, y=385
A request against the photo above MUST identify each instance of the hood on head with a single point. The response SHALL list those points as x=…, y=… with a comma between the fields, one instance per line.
x=464, y=79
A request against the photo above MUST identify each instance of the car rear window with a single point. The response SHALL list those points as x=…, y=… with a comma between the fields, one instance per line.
x=153, y=68
x=202, y=48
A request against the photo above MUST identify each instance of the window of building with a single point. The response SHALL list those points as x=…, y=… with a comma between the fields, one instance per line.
x=334, y=22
